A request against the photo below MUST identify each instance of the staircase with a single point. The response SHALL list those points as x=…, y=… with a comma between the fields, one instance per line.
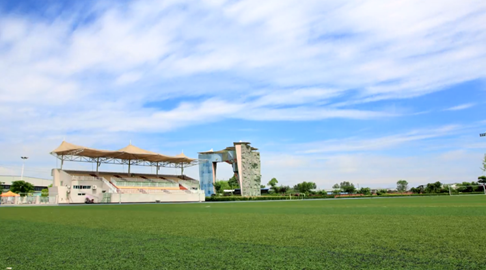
x=112, y=188
x=186, y=188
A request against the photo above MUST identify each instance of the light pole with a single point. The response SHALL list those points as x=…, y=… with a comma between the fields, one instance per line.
x=23, y=162
x=484, y=185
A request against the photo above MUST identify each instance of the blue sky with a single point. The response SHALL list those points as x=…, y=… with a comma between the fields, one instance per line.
x=369, y=92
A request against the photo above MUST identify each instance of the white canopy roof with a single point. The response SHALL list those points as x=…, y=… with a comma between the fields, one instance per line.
x=129, y=152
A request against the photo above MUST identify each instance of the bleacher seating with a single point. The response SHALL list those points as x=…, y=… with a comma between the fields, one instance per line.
x=140, y=183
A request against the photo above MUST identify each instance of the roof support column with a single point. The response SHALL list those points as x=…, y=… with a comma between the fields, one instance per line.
x=62, y=161
x=97, y=164
x=129, y=162
x=157, y=169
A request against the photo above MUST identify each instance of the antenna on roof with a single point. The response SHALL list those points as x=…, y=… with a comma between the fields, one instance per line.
x=130, y=142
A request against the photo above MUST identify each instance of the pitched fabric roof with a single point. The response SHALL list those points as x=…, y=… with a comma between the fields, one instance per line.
x=130, y=152
x=9, y=194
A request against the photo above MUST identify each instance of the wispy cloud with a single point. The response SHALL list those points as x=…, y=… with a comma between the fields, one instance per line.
x=461, y=107
x=373, y=144
x=123, y=55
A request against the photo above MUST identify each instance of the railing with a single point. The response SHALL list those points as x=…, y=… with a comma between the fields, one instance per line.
x=85, y=178
x=112, y=188
x=162, y=180
x=189, y=188
x=106, y=198
x=142, y=184
x=189, y=184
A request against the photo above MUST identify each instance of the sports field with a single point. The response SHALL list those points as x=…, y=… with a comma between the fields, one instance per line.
x=390, y=233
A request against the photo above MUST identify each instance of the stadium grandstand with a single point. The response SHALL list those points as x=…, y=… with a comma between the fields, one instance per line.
x=73, y=186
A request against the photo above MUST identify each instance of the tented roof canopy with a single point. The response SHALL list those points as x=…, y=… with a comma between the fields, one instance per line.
x=9, y=194
x=129, y=152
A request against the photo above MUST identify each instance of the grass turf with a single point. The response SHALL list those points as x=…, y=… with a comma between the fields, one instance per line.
x=390, y=233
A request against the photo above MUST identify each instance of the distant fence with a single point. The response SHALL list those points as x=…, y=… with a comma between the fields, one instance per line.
x=29, y=200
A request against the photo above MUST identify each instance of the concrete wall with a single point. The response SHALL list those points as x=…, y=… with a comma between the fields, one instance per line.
x=135, y=197
x=163, y=197
x=250, y=170
x=60, y=178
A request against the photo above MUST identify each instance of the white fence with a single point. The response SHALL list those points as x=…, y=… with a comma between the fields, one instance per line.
x=29, y=200
x=85, y=178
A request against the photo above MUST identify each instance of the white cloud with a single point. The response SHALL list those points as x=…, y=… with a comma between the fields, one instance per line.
x=461, y=107
x=363, y=144
x=408, y=52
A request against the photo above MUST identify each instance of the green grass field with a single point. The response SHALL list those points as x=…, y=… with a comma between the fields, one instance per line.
x=390, y=233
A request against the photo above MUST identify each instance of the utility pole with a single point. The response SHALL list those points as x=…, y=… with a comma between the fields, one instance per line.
x=23, y=163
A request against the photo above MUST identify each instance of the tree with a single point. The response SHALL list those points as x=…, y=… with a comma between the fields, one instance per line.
x=21, y=187
x=282, y=189
x=217, y=186
x=402, y=185
x=484, y=164
x=305, y=187
x=273, y=183
x=381, y=192
x=233, y=182
x=221, y=185
x=336, y=188
x=418, y=190
x=433, y=187
x=364, y=191
x=482, y=179
x=347, y=187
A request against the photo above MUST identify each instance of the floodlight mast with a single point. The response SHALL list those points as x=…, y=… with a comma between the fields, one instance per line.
x=23, y=163
x=484, y=184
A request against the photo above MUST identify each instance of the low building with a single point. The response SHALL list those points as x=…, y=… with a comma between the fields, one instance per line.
x=39, y=183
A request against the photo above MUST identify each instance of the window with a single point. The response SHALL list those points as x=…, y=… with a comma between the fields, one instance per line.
x=81, y=194
x=81, y=187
